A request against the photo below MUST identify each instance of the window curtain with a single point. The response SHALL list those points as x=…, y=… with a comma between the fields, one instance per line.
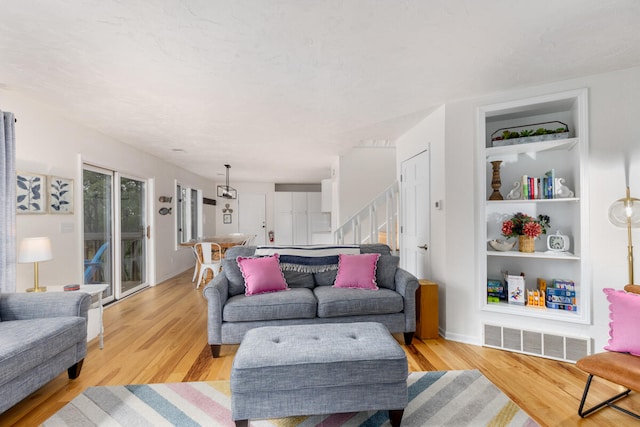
x=8, y=205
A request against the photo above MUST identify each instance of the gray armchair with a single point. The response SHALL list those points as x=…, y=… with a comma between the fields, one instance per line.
x=42, y=335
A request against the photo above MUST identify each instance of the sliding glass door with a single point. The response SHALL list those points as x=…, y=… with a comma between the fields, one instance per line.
x=97, y=187
x=115, y=231
x=133, y=246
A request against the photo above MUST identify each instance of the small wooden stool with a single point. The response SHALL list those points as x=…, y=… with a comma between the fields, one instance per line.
x=619, y=368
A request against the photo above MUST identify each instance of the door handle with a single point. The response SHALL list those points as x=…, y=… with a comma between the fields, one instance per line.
x=425, y=247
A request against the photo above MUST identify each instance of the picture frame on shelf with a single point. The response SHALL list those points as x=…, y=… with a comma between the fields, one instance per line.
x=60, y=200
x=30, y=193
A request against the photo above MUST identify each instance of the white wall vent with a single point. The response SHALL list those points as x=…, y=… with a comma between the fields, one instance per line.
x=535, y=343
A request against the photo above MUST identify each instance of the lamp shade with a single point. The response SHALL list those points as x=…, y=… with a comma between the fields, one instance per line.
x=625, y=212
x=35, y=249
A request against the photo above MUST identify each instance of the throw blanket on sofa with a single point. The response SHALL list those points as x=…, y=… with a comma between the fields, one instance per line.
x=308, y=259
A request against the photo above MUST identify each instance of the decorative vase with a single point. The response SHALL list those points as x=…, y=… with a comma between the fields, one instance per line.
x=496, y=182
x=526, y=244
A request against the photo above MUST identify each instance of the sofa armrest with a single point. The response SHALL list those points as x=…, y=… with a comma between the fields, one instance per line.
x=216, y=292
x=407, y=285
x=22, y=306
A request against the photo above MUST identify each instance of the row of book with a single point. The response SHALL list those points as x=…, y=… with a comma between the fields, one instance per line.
x=539, y=187
x=558, y=295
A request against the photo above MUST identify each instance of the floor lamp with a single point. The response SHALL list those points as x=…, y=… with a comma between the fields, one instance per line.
x=625, y=213
x=35, y=250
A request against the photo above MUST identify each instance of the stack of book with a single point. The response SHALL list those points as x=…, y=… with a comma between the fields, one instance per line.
x=495, y=291
x=539, y=187
x=561, y=295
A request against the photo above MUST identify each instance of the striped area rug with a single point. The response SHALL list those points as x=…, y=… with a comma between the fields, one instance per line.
x=440, y=398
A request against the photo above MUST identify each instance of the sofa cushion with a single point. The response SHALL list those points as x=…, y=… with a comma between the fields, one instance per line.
x=231, y=269
x=357, y=271
x=375, y=248
x=26, y=344
x=296, y=279
x=261, y=275
x=335, y=302
x=386, y=271
x=296, y=303
x=325, y=278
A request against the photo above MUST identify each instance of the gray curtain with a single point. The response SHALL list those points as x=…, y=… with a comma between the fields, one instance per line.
x=8, y=203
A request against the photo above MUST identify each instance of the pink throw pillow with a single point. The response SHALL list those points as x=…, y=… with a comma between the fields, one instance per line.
x=624, y=313
x=357, y=271
x=262, y=274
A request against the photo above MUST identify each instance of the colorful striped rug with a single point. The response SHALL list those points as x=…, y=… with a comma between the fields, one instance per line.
x=440, y=398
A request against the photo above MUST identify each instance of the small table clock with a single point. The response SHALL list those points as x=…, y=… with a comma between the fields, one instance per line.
x=558, y=242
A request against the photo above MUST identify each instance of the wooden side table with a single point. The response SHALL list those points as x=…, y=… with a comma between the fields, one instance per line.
x=427, y=310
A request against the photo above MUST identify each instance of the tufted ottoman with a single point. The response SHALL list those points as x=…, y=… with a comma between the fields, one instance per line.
x=282, y=371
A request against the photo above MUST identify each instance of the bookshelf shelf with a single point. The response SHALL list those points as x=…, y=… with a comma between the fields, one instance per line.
x=536, y=312
x=542, y=201
x=531, y=148
x=566, y=256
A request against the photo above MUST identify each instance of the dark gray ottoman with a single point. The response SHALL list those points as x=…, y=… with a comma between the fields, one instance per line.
x=283, y=371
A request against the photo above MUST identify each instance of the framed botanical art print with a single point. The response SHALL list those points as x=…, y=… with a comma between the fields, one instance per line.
x=30, y=193
x=60, y=195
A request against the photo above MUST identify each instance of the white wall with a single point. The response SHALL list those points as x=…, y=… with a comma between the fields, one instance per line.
x=614, y=103
x=363, y=174
x=429, y=134
x=244, y=187
x=51, y=144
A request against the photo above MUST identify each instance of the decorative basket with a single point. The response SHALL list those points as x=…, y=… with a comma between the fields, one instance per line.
x=526, y=244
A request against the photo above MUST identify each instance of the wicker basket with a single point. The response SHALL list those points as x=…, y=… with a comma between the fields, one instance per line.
x=526, y=244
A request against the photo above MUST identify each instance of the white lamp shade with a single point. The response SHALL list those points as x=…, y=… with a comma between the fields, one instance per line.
x=35, y=249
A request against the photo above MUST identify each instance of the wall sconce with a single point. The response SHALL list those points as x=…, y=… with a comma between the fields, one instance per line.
x=35, y=250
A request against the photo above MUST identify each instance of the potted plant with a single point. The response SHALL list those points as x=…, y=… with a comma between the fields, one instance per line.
x=525, y=228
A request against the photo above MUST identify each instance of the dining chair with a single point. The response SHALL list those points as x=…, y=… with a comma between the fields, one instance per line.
x=248, y=240
x=196, y=269
x=210, y=258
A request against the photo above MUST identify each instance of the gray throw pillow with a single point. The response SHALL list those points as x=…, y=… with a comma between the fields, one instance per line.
x=386, y=271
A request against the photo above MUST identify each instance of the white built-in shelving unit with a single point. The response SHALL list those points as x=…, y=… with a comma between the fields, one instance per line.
x=568, y=157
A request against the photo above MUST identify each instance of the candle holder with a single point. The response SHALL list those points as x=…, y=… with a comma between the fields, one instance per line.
x=496, y=183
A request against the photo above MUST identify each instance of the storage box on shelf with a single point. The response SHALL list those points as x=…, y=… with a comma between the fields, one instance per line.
x=565, y=205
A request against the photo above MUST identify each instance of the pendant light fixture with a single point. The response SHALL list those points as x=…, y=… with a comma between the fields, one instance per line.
x=225, y=190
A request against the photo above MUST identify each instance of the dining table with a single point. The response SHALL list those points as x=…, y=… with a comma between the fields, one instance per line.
x=225, y=241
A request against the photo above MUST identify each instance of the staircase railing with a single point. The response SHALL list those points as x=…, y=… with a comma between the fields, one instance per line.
x=375, y=223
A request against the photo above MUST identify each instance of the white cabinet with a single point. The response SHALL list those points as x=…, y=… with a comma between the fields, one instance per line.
x=299, y=220
x=567, y=157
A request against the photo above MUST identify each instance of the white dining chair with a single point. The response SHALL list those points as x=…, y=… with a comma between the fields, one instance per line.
x=210, y=258
x=248, y=240
x=196, y=269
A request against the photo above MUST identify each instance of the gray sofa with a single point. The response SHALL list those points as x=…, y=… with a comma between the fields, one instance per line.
x=311, y=299
x=42, y=335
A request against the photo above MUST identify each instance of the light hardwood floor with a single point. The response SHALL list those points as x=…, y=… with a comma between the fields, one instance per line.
x=160, y=335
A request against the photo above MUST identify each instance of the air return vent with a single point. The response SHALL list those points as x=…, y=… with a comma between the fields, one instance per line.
x=550, y=346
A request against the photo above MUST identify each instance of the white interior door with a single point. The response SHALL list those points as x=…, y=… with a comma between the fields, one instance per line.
x=252, y=208
x=415, y=193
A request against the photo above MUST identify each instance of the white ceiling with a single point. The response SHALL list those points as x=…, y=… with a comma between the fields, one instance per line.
x=279, y=88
